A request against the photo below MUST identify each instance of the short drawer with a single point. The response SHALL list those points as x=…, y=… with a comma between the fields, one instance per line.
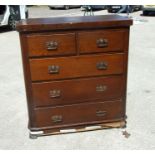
x=77, y=114
x=51, y=44
x=101, y=41
x=74, y=91
x=78, y=66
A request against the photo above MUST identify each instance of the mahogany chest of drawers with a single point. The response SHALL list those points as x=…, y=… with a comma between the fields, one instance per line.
x=75, y=71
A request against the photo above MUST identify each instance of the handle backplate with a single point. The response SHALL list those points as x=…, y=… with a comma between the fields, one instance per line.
x=53, y=69
x=55, y=93
x=102, y=65
x=101, y=113
x=56, y=118
x=101, y=43
x=51, y=45
x=101, y=88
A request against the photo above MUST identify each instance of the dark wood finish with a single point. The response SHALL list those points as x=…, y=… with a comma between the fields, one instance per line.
x=79, y=90
x=27, y=79
x=39, y=45
x=74, y=114
x=72, y=67
x=75, y=70
x=93, y=42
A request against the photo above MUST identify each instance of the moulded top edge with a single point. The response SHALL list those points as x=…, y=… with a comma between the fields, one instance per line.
x=76, y=22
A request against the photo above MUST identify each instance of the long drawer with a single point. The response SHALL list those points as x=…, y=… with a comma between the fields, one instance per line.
x=74, y=91
x=80, y=113
x=77, y=66
x=101, y=41
x=51, y=44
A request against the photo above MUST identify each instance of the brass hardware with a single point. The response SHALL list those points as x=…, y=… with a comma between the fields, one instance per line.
x=101, y=113
x=101, y=88
x=56, y=118
x=102, y=65
x=55, y=93
x=54, y=69
x=51, y=45
x=101, y=43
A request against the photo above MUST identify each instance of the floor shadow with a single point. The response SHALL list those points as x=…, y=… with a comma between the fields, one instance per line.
x=61, y=8
x=150, y=14
x=4, y=29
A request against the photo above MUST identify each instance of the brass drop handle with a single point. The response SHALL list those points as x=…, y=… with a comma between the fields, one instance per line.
x=53, y=69
x=102, y=65
x=55, y=93
x=51, y=45
x=101, y=113
x=101, y=43
x=101, y=88
x=56, y=118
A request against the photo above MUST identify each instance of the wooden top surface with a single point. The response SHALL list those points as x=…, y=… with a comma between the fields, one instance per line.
x=76, y=22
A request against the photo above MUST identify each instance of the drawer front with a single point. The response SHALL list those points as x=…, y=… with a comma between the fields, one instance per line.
x=85, y=113
x=51, y=45
x=72, y=67
x=101, y=41
x=74, y=91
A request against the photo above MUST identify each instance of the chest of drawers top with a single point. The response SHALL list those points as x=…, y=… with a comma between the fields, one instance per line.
x=68, y=23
